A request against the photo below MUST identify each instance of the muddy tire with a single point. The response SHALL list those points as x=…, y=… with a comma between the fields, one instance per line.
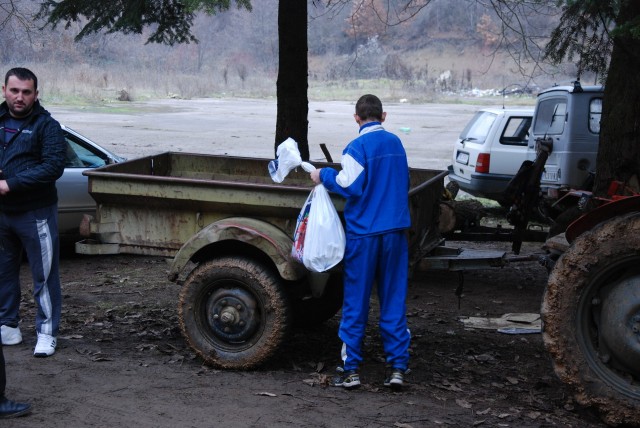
x=591, y=318
x=233, y=313
x=309, y=312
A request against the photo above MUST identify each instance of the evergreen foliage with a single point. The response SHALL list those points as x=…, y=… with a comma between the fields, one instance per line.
x=171, y=20
x=584, y=34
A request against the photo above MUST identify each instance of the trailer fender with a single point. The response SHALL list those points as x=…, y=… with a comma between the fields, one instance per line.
x=265, y=237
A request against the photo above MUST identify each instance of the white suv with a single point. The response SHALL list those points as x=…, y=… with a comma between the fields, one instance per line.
x=490, y=150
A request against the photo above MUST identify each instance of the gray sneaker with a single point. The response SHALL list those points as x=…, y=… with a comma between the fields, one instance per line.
x=348, y=379
x=395, y=379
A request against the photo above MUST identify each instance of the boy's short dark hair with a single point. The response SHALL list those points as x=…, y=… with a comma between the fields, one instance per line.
x=369, y=107
x=22, y=74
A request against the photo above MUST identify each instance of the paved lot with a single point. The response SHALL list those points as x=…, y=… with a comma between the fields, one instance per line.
x=243, y=127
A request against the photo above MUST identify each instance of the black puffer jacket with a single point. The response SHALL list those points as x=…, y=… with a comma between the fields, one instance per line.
x=32, y=162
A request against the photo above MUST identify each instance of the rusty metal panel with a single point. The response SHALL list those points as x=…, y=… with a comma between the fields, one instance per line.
x=427, y=188
x=157, y=203
x=94, y=248
x=266, y=237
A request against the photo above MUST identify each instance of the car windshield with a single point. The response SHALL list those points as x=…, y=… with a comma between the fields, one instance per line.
x=82, y=154
x=79, y=156
x=478, y=128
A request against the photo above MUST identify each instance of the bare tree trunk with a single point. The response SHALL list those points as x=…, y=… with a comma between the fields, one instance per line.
x=619, y=151
x=291, y=88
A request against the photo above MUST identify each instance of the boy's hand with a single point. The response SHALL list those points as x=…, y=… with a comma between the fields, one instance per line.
x=315, y=176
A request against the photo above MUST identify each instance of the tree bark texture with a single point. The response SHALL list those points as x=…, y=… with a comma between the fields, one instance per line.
x=460, y=215
x=292, y=84
x=619, y=150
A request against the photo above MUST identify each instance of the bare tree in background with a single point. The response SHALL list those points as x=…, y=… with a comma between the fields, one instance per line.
x=14, y=13
x=16, y=21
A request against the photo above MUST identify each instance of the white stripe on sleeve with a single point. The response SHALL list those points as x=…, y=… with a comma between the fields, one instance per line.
x=351, y=170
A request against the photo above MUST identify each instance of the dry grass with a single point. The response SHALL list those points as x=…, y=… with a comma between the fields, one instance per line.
x=84, y=83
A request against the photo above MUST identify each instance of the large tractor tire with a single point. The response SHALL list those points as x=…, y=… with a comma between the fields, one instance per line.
x=233, y=312
x=591, y=318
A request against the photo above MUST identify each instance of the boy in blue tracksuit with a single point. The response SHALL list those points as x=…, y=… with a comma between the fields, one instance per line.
x=375, y=182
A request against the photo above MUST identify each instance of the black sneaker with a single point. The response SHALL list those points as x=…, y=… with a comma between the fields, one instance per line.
x=347, y=379
x=394, y=379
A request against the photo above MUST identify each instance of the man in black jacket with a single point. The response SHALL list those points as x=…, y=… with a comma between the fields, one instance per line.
x=32, y=158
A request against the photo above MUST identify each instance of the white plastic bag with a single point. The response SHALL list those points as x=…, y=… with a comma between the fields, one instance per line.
x=288, y=159
x=319, y=239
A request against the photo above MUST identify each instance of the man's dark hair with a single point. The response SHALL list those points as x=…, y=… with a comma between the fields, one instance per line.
x=22, y=74
x=369, y=107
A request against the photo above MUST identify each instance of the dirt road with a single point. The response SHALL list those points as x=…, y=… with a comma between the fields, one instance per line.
x=121, y=359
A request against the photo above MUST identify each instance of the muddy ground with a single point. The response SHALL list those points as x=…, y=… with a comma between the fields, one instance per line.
x=122, y=361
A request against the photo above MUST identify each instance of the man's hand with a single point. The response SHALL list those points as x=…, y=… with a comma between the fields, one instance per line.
x=315, y=176
x=4, y=188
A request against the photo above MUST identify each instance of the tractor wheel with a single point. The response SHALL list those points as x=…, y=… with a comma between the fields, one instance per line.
x=233, y=312
x=591, y=317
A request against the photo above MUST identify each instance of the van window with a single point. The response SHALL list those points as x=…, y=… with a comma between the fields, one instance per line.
x=595, y=112
x=516, y=133
x=550, y=117
x=478, y=128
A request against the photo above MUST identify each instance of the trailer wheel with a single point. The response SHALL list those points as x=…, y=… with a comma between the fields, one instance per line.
x=591, y=317
x=309, y=312
x=233, y=313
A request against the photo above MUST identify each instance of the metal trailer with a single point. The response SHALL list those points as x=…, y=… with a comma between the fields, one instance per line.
x=228, y=229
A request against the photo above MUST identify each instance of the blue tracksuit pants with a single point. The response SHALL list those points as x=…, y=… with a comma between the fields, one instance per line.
x=37, y=232
x=382, y=259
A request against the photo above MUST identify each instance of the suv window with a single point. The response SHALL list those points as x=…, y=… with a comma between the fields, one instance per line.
x=516, y=133
x=551, y=116
x=595, y=112
x=478, y=128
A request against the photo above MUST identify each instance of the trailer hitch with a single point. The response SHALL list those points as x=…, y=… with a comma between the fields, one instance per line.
x=523, y=191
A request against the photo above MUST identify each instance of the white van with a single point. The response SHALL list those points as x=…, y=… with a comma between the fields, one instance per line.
x=490, y=150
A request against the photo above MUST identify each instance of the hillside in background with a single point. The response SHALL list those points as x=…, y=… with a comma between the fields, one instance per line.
x=451, y=49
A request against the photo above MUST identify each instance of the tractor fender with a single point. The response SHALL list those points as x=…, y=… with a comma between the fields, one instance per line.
x=604, y=212
x=267, y=238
